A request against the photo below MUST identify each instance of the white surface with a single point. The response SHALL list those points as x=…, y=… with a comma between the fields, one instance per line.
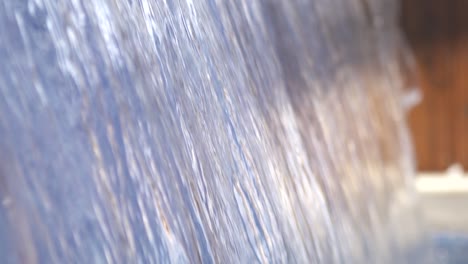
x=453, y=180
x=437, y=183
x=444, y=200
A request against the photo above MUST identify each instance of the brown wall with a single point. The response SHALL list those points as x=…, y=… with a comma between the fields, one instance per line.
x=437, y=31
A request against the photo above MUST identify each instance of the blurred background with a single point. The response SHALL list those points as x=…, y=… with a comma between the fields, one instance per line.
x=437, y=32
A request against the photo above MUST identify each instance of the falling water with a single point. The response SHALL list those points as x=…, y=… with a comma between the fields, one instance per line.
x=214, y=131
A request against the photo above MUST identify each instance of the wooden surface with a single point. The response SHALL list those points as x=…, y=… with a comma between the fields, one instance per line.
x=438, y=33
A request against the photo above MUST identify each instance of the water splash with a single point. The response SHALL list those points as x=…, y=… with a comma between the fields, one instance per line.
x=215, y=131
